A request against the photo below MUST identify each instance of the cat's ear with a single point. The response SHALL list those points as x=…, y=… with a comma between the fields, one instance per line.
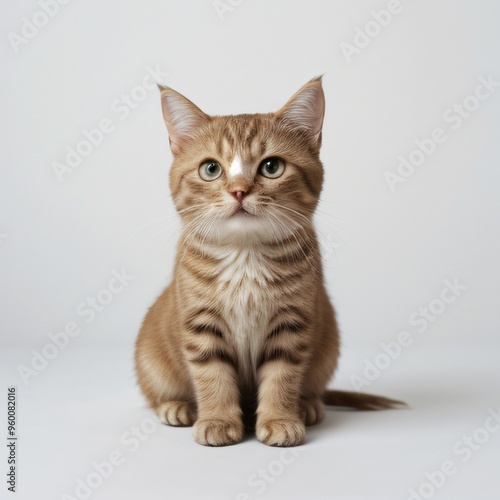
x=306, y=109
x=182, y=117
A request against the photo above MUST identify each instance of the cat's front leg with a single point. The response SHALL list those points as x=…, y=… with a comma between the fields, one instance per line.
x=280, y=377
x=219, y=420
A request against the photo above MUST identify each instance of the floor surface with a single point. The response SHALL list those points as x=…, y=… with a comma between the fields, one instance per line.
x=82, y=420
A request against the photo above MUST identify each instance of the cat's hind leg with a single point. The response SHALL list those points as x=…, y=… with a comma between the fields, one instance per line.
x=177, y=413
x=312, y=410
x=325, y=355
x=164, y=381
x=171, y=397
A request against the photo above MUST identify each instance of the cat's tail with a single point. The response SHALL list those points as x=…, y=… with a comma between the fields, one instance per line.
x=360, y=401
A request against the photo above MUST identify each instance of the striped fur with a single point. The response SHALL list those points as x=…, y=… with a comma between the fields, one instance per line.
x=246, y=324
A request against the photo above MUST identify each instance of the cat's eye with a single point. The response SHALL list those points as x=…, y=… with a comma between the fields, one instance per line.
x=272, y=168
x=210, y=170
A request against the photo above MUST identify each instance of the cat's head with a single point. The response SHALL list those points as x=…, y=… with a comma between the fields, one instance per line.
x=249, y=177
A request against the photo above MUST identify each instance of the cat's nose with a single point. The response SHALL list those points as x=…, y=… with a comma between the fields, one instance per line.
x=239, y=194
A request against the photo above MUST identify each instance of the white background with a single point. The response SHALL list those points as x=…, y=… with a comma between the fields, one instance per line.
x=386, y=253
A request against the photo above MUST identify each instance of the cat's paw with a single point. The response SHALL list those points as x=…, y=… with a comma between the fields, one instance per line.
x=283, y=432
x=177, y=413
x=312, y=411
x=217, y=432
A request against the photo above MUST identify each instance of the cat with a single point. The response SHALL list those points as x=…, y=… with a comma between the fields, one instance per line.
x=246, y=328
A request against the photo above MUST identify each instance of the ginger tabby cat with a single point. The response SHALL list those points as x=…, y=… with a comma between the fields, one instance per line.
x=246, y=328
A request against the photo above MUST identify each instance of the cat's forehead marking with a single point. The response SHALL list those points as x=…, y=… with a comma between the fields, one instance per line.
x=236, y=167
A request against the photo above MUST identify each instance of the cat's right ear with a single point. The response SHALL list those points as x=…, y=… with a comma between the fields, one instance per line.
x=182, y=117
x=306, y=109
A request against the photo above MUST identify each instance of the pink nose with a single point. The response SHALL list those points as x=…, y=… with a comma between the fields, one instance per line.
x=238, y=195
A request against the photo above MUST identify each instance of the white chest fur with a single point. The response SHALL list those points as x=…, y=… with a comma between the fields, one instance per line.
x=247, y=302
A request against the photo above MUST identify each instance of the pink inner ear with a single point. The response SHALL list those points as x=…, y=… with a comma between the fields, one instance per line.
x=306, y=109
x=181, y=116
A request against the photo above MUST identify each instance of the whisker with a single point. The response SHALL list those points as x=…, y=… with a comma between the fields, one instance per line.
x=168, y=216
x=160, y=219
x=291, y=210
x=300, y=238
x=338, y=219
x=325, y=241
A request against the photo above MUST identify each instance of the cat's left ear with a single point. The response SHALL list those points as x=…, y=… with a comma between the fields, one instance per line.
x=182, y=117
x=306, y=109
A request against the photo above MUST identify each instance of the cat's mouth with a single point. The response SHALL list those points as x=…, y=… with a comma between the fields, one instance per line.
x=239, y=211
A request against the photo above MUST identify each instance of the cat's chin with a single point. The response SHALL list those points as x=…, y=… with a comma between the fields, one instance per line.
x=247, y=228
x=242, y=215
